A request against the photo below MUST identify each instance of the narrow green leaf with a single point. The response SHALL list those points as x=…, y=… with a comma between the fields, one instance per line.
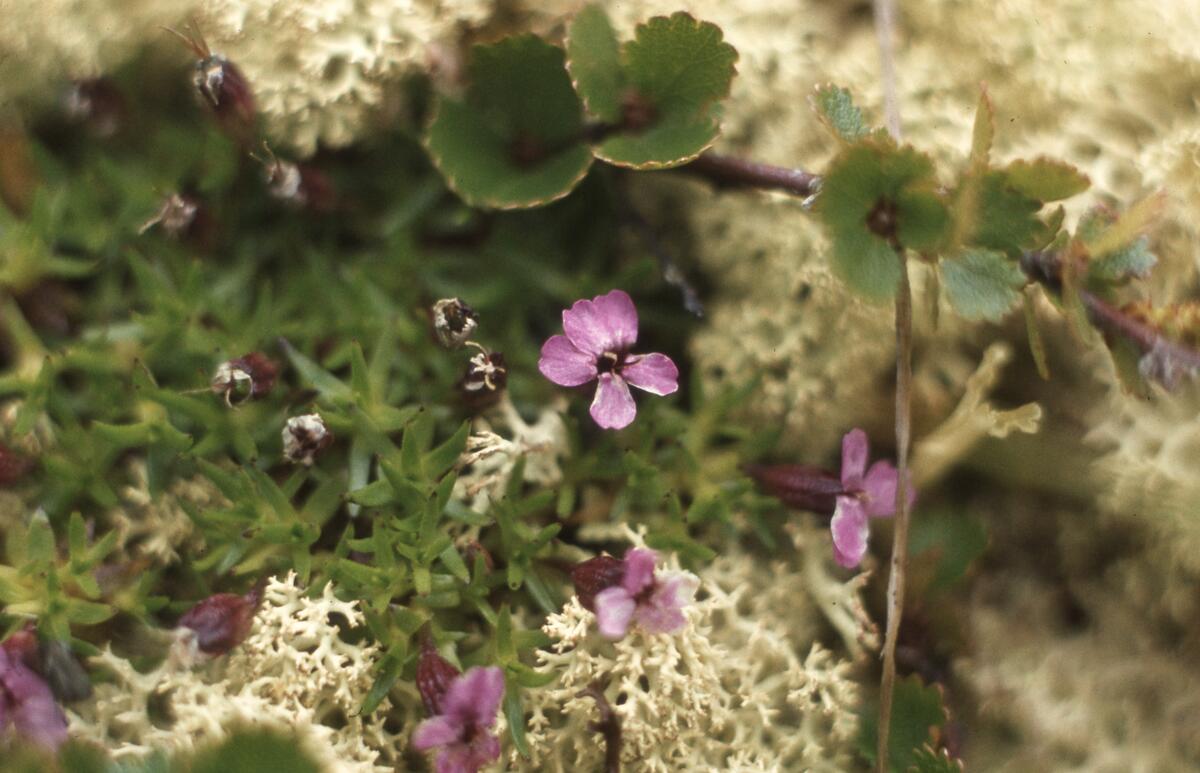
x=452, y=560
x=1037, y=347
x=984, y=130
x=327, y=384
x=515, y=714
x=982, y=284
x=438, y=461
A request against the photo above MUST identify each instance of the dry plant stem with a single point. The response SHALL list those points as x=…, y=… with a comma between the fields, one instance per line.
x=895, y=591
x=885, y=30
x=729, y=172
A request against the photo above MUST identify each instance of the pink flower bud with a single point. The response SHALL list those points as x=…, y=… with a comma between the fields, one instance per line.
x=595, y=575
x=434, y=675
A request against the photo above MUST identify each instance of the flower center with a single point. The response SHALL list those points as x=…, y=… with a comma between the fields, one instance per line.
x=608, y=362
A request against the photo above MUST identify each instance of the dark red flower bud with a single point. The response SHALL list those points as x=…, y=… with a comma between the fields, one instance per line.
x=222, y=621
x=222, y=87
x=13, y=465
x=594, y=575
x=434, y=675
x=97, y=104
x=23, y=646
x=799, y=486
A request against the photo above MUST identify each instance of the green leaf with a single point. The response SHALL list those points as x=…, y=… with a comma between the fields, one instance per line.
x=954, y=541
x=927, y=760
x=1006, y=218
x=866, y=263
x=1045, y=179
x=516, y=142
x=677, y=70
x=439, y=461
x=1037, y=347
x=836, y=109
x=252, y=750
x=514, y=712
x=39, y=545
x=667, y=144
x=1132, y=262
x=389, y=673
x=916, y=711
x=594, y=61
x=982, y=284
x=865, y=177
x=328, y=385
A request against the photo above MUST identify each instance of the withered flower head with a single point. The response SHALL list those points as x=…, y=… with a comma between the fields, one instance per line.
x=304, y=437
x=454, y=322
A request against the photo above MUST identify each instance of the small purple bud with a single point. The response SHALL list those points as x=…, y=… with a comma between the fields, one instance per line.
x=434, y=675
x=222, y=621
x=304, y=437
x=453, y=322
x=595, y=575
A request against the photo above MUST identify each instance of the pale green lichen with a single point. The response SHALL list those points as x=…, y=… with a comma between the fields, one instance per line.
x=742, y=688
x=295, y=672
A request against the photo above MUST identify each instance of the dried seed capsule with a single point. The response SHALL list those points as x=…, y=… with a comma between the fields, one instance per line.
x=304, y=437
x=487, y=372
x=244, y=378
x=176, y=215
x=434, y=675
x=454, y=322
x=595, y=575
x=222, y=621
x=298, y=186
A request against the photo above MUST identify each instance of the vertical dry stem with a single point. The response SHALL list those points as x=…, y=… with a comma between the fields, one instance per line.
x=885, y=27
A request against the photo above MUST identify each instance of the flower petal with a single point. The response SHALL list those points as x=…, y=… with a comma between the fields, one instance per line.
x=614, y=610
x=607, y=323
x=485, y=748
x=879, y=485
x=456, y=759
x=854, y=458
x=564, y=364
x=31, y=707
x=663, y=613
x=850, y=531
x=639, y=570
x=474, y=697
x=654, y=373
x=437, y=731
x=613, y=406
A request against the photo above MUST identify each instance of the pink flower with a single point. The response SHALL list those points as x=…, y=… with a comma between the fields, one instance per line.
x=462, y=726
x=599, y=334
x=27, y=705
x=862, y=497
x=653, y=603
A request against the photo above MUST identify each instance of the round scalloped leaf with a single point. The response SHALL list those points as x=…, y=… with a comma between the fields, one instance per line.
x=982, y=284
x=836, y=109
x=516, y=140
x=676, y=70
x=594, y=61
x=866, y=263
x=662, y=146
x=680, y=64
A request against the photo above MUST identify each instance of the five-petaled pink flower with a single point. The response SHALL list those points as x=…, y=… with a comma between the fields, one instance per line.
x=461, y=728
x=27, y=704
x=863, y=496
x=599, y=335
x=656, y=604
